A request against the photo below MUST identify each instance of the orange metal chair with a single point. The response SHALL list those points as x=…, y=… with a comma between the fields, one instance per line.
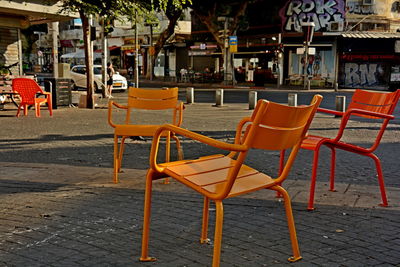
x=367, y=104
x=217, y=177
x=28, y=91
x=165, y=99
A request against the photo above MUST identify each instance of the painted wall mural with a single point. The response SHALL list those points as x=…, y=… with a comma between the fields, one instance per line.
x=373, y=75
x=321, y=12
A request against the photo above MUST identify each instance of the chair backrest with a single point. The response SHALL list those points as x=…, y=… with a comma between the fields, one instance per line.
x=380, y=102
x=26, y=88
x=274, y=127
x=160, y=99
x=152, y=99
x=279, y=126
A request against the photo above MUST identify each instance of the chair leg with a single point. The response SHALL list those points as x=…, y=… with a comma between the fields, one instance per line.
x=146, y=218
x=380, y=179
x=204, y=227
x=25, y=110
x=168, y=148
x=281, y=165
x=333, y=167
x=178, y=147
x=19, y=109
x=313, y=180
x=121, y=152
x=116, y=159
x=219, y=219
x=37, y=109
x=292, y=230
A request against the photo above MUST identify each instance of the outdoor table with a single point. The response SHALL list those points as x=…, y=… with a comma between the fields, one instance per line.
x=9, y=93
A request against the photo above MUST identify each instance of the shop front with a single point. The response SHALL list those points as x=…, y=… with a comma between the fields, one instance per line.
x=319, y=67
x=369, y=63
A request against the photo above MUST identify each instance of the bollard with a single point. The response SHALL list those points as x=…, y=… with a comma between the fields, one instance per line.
x=252, y=99
x=190, y=95
x=340, y=103
x=219, y=97
x=292, y=99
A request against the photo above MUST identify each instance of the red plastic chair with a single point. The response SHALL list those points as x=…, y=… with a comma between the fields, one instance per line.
x=372, y=105
x=28, y=91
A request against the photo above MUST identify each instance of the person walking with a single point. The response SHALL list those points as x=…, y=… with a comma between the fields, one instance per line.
x=110, y=73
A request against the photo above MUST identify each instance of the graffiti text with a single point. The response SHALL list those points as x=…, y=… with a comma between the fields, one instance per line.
x=321, y=12
x=357, y=8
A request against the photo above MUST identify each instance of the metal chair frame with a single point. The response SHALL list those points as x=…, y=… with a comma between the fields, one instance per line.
x=217, y=177
x=366, y=104
x=163, y=99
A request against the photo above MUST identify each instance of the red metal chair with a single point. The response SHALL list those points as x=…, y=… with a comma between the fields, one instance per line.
x=372, y=105
x=28, y=91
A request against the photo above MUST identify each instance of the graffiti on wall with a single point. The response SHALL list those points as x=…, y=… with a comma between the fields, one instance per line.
x=364, y=75
x=357, y=7
x=321, y=12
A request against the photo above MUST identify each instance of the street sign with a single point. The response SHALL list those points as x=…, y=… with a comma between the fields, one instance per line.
x=152, y=50
x=233, y=42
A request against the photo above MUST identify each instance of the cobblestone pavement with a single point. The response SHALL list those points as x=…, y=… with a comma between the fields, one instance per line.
x=60, y=208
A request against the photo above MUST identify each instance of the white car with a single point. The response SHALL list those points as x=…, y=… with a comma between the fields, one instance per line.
x=78, y=77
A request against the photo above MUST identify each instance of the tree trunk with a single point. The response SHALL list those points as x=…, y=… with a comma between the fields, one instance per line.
x=210, y=18
x=173, y=18
x=88, y=60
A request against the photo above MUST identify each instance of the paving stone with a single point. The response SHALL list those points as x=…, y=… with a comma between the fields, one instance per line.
x=60, y=207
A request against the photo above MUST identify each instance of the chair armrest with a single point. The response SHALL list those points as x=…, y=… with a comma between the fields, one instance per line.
x=43, y=93
x=179, y=109
x=189, y=134
x=351, y=111
x=239, y=129
x=369, y=113
x=239, y=133
x=330, y=111
x=110, y=107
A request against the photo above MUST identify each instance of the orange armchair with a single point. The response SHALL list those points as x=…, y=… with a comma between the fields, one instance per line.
x=376, y=106
x=216, y=177
x=165, y=99
x=28, y=91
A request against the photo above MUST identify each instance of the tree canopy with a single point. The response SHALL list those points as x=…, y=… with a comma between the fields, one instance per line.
x=109, y=10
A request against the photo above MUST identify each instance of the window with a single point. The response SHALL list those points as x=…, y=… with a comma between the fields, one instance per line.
x=97, y=70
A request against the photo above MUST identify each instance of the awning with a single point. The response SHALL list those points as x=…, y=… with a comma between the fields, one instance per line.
x=66, y=43
x=129, y=47
x=80, y=54
x=371, y=35
x=110, y=48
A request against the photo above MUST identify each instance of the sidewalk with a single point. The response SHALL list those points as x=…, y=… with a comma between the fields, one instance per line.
x=60, y=207
x=164, y=82
x=271, y=87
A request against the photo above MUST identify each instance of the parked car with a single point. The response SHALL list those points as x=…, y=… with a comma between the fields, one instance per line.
x=78, y=77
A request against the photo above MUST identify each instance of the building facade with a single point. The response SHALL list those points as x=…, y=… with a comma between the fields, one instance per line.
x=17, y=15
